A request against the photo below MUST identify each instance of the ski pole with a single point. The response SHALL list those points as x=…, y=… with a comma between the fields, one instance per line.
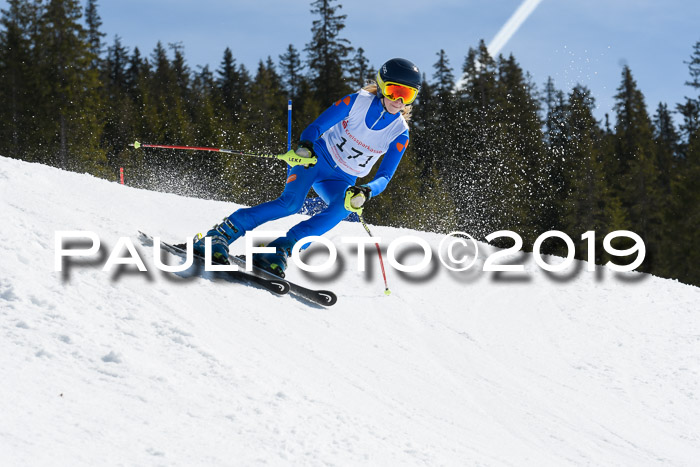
x=290, y=157
x=379, y=252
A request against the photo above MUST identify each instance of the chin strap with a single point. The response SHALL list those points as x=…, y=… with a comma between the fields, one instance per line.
x=381, y=99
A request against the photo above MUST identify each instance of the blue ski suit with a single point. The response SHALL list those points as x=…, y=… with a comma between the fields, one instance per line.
x=328, y=179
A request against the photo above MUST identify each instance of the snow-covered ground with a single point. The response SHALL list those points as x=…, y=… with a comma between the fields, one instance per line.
x=132, y=368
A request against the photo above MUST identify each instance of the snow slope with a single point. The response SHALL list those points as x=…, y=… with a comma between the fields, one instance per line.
x=131, y=368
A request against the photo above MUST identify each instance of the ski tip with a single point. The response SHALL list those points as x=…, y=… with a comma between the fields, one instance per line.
x=283, y=287
x=327, y=298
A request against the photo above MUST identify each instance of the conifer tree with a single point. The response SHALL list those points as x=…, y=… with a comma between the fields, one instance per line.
x=438, y=137
x=526, y=195
x=443, y=105
x=638, y=183
x=94, y=34
x=161, y=92
x=690, y=109
x=16, y=78
x=259, y=180
x=120, y=114
x=138, y=74
x=205, y=170
x=443, y=78
x=681, y=254
x=266, y=109
x=203, y=103
x=585, y=203
x=425, y=127
x=116, y=63
x=74, y=87
x=138, y=70
x=291, y=71
x=694, y=68
x=327, y=53
x=181, y=70
x=557, y=110
x=479, y=145
x=297, y=88
x=666, y=140
x=359, y=70
x=667, y=144
x=232, y=83
x=479, y=83
x=166, y=89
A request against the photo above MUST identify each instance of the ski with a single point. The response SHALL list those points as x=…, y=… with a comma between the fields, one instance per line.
x=319, y=297
x=273, y=284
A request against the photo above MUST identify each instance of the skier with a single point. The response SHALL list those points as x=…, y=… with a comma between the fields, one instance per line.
x=347, y=140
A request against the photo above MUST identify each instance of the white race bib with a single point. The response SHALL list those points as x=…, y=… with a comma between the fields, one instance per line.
x=355, y=148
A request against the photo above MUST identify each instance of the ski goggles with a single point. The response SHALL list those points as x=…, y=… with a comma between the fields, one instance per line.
x=395, y=91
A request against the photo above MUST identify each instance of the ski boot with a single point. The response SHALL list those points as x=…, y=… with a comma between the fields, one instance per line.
x=275, y=263
x=222, y=235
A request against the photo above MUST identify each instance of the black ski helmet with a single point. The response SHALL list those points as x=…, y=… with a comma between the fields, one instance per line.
x=402, y=71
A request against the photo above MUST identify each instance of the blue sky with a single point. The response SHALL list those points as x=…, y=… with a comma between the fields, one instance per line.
x=574, y=42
